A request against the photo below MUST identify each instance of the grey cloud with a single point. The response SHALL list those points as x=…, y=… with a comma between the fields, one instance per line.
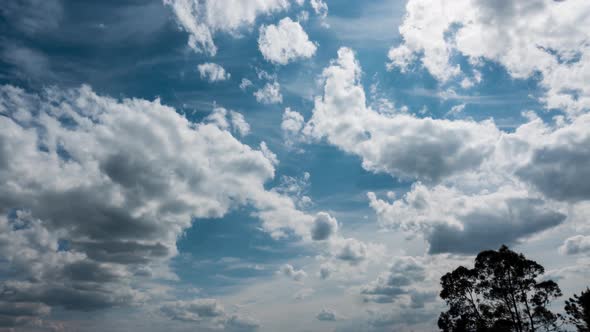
x=33, y=16
x=324, y=226
x=96, y=191
x=560, y=168
x=208, y=314
x=192, y=311
x=326, y=315
x=490, y=228
x=578, y=244
x=405, y=272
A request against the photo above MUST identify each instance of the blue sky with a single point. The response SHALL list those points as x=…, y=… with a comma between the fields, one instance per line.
x=256, y=165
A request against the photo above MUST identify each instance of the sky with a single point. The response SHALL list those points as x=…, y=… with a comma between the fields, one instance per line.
x=292, y=165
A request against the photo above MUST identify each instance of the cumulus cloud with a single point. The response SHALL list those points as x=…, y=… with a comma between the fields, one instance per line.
x=319, y=7
x=285, y=42
x=291, y=125
x=433, y=31
x=207, y=313
x=574, y=245
x=404, y=274
x=560, y=162
x=192, y=311
x=289, y=271
x=327, y=315
x=202, y=19
x=121, y=181
x=269, y=94
x=401, y=145
x=212, y=72
x=453, y=221
x=477, y=185
x=324, y=226
x=353, y=251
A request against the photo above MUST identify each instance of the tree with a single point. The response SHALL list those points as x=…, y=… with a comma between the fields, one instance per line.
x=577, y=311
x=501, y=293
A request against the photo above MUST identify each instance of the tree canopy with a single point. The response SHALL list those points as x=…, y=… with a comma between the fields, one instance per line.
x=577, y=311
x=502, y=292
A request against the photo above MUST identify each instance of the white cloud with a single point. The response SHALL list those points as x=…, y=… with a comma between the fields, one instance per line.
x=578, y=244
x=227, y=120
x=213, y=72
x=453, y=221
x=291, y=125
x=401, y=145
x=202, y=19
x=245, y=84
x=269, y=94
x=289, y=271
x=470, y=175
x=319, y=7
x=121, y=181
x=513, y=34
x=239, y=123
x=285, y=42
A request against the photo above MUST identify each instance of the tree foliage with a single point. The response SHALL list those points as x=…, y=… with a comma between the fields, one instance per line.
x=577, y=311
x=501, y=293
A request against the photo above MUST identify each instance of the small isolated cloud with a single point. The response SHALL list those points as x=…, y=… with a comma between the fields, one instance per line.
x=354, y=251
x=245, y=84
x=324, y=226
x=289, y=271
x=574, y=245
x=285, y=42
x=326, y=315
x=269, y=94
x=212, y=72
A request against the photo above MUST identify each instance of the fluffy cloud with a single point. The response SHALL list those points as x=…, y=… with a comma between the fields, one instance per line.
x=326, y=315
x=400, y=145
x=285, y=42
x=120, y=181
x=405, y=272
x=353, y=251
x=212, y=72
x=319, y=7
x=291, y=125
x=576, y=245
x=269, y=94
x=434, y=31
x=456, y=222
x=324, y=226
x=560, y=162
x=477, y=186
x=207, y=313
x=202, y=19
x=290, y=272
